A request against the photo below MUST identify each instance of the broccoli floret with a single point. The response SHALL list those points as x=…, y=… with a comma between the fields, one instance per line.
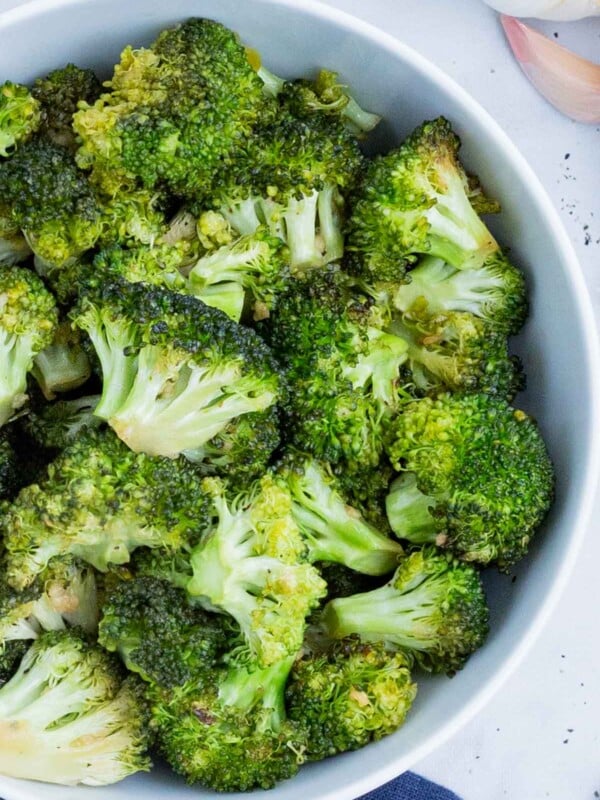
x=251, y=564
x=19, y=116
x=63, y=595
x=176, y=372
x=174, y=110
x=131, y=216
x=354, y=694
x=63, y=365
x=433, y=607
x=54, y=426
x=158, y=633
x=67, y=717
x=158, y=265
x=244, y=447
x=59, y=94
x=231, y=733
x=343, y=365
x=476, y=477
x=258, y=262
x=457, y=351
x=326, y=95
x=494, y=291
x=99, y=502
x=51, y=201
x=417, y=200
x=292, y=175
x=28, y=319
x=333, y=529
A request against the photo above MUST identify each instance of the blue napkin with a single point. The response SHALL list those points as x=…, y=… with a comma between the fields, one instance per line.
x=410, y=787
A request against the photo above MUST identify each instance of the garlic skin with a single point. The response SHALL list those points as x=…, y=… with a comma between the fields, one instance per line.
x=560, y=10
x=568, y=81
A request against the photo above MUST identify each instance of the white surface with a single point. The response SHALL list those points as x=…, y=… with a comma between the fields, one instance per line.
x=526, y=758
x=539, y=738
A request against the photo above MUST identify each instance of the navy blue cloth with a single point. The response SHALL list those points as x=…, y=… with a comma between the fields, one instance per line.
x=410, y=787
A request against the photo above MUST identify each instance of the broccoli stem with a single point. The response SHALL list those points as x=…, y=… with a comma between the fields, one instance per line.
x=380, y=369
x=13, y=250
x=386, y=613
x=16, y=356
x=301, y=222
x=457, y=233
x=242, y=215
x=60, y=368
x=273, y=84
x=227, y=297
x=330, y=224
x=357, y=119
x=111, y=343
x=408, y=511
x=162, y=399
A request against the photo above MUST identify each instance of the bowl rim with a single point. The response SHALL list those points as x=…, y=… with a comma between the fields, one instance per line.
x=591, y=354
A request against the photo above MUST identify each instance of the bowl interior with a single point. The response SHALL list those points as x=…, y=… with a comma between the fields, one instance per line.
x=556, y=346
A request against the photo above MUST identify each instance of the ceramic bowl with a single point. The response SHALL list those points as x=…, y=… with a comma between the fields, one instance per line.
x=558, y=345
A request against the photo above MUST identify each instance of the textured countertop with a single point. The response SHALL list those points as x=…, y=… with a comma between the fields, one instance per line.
x=539, y=737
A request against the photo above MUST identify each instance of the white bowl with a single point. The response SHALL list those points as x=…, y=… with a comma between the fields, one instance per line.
x=558, y=346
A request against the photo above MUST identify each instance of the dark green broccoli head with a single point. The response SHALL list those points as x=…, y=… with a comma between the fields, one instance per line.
x=459, y=352
x=51, y=200
x=10, y=658
x=28, y=320
x=482, y=480
x=99, y=502
x=230, y=733
x=494, y=291
x=158, y=633
x=343, y=366
x=59, y=94
x=69, y=718
x=19, y=116
x=352, y=695
x=241, y=452
x=174, y=111
x=176, y=371
x=433, y=607
x=416, y=200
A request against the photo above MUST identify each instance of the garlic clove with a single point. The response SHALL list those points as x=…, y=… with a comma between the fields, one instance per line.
x=548, y=9
x=568, y=81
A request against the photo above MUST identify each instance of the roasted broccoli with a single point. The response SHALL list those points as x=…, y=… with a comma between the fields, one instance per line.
x=459, y=352
x=13, y=245
x=19, y=116
x=174, y=112
x=292, y=175
x=59, y=94
x=98, y=502
x=476, y=477
x=333, y=529
x=417, y=200
x=494, y=291
x=158, y=633
x=251, y=564
x=352, y=695
x=175, y=371
x=28, y=320
x=63, y=595
x=67, y=717
x=51, y=201
x=434, y=608
x=343, y=365
x=230, y=733
x=257, y=263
